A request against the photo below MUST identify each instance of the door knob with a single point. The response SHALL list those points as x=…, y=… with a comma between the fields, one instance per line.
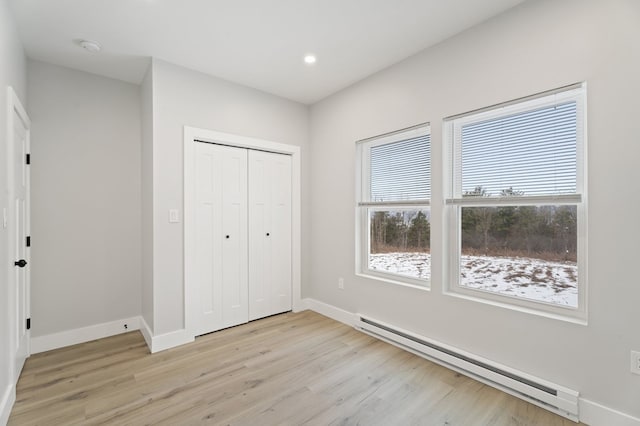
x=21, y=263
x=267, y=234
x=227, y=236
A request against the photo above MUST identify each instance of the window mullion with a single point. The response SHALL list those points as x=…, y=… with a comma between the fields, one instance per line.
x=404, y=203
x=514, y=201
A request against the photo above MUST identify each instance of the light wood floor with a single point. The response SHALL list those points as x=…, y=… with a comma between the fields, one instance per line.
x=290, y=369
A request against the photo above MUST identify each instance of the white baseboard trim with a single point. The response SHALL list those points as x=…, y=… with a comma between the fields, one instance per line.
x=331, y=311
x=84, y=334
x=6, y=403
x=170, y=340
x=146, y=333
x=299, y=305
x=591, y=413
x=163, y=341
x=595, y=414
x=302, y=305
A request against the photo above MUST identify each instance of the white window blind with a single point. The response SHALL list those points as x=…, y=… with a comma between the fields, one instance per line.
x=530, y=153
x=400, y=170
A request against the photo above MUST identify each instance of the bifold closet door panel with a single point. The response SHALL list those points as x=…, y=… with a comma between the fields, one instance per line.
x=281, y=243
x=269, y=234
x=221, y=241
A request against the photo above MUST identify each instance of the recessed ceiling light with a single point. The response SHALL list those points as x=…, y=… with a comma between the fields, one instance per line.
x=90, y=46
x=310, y=59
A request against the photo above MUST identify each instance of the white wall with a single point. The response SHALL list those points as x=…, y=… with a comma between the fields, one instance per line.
x=85, y=177
x=12, y=73
x=146, y=103
x=184, y=97
x=537, y=46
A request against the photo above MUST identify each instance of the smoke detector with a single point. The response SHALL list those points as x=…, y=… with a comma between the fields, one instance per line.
x=90, y=46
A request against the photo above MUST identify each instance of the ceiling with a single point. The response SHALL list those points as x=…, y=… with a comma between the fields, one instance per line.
x=256, y=43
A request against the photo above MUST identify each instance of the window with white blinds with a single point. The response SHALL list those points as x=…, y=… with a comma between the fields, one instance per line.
x=394, y=219
x=400, y=170
x=530, y=152
x=516, y=202
x=530, y=148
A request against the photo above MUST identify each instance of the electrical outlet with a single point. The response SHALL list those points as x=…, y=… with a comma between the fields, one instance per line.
x=126, y=326
x=341, y=283
x=635, y=362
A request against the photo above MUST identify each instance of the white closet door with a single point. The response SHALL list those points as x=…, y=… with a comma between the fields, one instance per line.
x=269, y=234
x=221, y=236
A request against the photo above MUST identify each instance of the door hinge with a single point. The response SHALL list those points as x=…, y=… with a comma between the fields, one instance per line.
x=28, y=241
x=28, y=323
x=28, y=158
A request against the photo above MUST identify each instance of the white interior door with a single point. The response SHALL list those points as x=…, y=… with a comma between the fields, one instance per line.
x=221, y=236
x=19, y=230
x=269, y=234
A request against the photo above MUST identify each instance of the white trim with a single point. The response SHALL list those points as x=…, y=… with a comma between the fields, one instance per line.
x=388, y=277
x=407, y=203
x=302, y=306
x=84, y=334
x=331, y=311
x=190, y=135
x=515, y=106
x=163, y=341
x=515, y=305
x=596, y=414
x=515, y=201
x=146, y=333
x=397, y=135
x=6, y=403
x=15, y=103
x=170, y=340
x=560, y=93
x=591, y=413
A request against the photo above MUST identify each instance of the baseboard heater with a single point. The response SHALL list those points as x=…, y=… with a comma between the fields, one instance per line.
x=549, y=396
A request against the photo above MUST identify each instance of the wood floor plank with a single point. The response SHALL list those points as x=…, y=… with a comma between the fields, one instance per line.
x=289, y=369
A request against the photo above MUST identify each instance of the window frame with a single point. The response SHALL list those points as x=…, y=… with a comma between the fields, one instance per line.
x=455, y=202
x=364, y=204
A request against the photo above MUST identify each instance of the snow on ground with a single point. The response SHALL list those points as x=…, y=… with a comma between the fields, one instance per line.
x=414, y=265
x=552, y=282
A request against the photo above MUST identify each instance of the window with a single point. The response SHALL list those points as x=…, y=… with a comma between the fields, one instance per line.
x=393, y=206
x=516, y=206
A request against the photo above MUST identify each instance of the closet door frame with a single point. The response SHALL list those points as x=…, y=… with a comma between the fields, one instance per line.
x=193, y=135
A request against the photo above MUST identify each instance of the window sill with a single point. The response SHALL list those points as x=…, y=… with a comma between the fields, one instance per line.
x=425, y=287
x=579, y=317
